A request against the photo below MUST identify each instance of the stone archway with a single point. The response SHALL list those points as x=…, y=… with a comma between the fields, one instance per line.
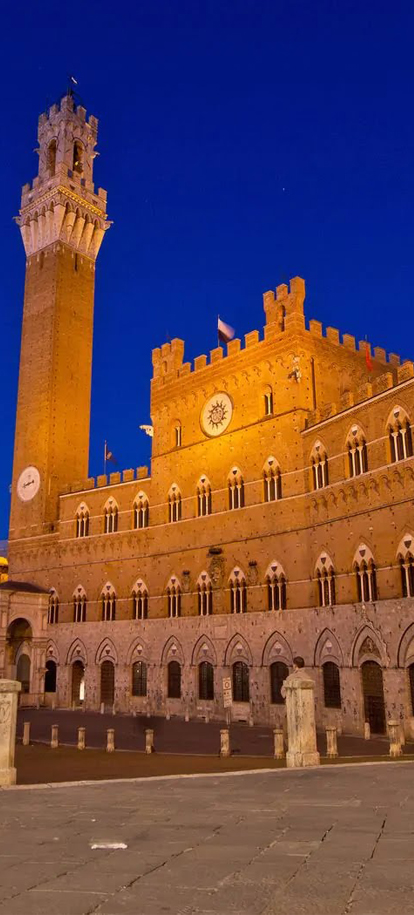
x=50, y=676
x=23, y=672
x=107, y=683
x=18, y=631
x=373, y=692
x=78, y=682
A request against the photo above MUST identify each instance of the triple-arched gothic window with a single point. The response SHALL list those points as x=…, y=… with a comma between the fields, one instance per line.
x=236, y=489
x=108, y=602
x=141, y=511
x=203, y=497
x=272, y=480
x=174, y=504
x=357, y=452
x=110, y=517
x=53, y=608
x=399, y=431
x=276, y=587
x=319, y=463
x=173, y=592
x=204, y=595
x=139, y=600
x=82, y=520
x=365, y=571
x=238, y=591
x=79, y=605
x=325, y=576
x=406, y=560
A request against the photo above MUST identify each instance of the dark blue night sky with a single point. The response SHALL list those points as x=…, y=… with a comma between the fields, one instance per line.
x=241, y=143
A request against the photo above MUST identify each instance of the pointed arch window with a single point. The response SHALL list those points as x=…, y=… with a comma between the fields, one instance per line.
x=82, y=520
x=331, y=685
x=236, y=489
x=276, y=587
x=79, y=605
x=241, y=686
x=174, y=680
x=319, y=463
x=238, y=592
x=174, y=597
x=325, y=576
x=51, y=158
x=108, y=602
x=204, y=595
x=53, y=608
x=400, y=435
x=406, y=560
x=268, y=401
x=272, y=480
x=205, y=681
x=77, y=157
x=141, y=511
x=110, y=517
x=140, y=601
x=178, y=434
x=357, y=452
x=365, y=571
x=278, y=673
x=203, y=497
x=174, y=504
x=139, y=678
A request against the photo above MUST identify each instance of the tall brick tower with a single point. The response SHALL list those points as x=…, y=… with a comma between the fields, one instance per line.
x=62, y=221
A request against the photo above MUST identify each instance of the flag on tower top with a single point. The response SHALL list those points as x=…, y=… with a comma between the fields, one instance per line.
x=224, y=331
x=108, y=455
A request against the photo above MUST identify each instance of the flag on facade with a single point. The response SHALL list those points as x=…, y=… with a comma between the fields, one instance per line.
x=108, y=455
x=225, y=333
x=368, y=359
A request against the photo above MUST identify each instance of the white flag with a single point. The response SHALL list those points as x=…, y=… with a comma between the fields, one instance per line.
x=225, y=332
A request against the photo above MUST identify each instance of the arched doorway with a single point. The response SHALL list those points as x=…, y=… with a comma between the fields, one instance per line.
x=50, y=676
x=78, y=682
x=373, y=691
x=107, y=683
x=23, y=672
x=18, y=632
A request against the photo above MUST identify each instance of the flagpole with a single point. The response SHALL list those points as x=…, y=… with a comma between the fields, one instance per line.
x=105, y=459
x=218, y=338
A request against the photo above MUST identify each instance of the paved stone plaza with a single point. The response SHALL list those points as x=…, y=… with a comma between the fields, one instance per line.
x=332, y=841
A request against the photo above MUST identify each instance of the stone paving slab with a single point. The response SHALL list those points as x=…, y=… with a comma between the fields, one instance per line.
x=328, y=841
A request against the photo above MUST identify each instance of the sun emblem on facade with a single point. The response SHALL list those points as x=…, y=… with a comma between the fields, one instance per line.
x=216, y=414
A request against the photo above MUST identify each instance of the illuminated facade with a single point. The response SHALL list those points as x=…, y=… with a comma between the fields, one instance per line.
x=276, y=520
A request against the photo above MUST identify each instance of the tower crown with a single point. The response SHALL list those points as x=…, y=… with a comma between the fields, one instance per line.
x=61, y=204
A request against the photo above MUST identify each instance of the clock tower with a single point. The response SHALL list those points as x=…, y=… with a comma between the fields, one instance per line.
x=62, y=221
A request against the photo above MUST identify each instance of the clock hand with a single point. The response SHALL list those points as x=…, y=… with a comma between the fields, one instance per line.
x=29, y=483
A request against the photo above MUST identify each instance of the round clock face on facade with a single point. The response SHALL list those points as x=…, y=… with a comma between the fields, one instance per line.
x=216, y=414
x=28, y=484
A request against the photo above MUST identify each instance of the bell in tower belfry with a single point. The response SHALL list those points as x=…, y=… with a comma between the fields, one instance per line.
x=62, y=221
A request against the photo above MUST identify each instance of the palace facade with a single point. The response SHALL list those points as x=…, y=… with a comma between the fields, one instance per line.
x=277, y=519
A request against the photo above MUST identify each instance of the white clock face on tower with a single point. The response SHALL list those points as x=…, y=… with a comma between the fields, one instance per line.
x=28, y=484
x=216, y=414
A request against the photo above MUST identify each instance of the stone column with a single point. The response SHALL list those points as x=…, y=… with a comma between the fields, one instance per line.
x=331, y=743
x=279, y=744
x=300, y=709
x=225, y=742
x=149, y=740
x=8, y=715
x=394, y=735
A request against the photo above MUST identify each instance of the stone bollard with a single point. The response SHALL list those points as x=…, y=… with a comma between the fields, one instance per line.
x=367, y=730
x=187, y=716
x=26, y=733
x=149, y=740
x=110, y=740
x=331, y=743
x=9, y=690
x=394, y=735
x=167, y=717
x=81, y=738
x=114, y=709
x=225, y=742
x=54, y=740
x=102, y=708
x=279, y=743
x=300, y=712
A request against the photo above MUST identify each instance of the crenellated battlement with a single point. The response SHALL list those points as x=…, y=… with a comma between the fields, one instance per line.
x=284, y=310
x=104, y=479
x=363, y=393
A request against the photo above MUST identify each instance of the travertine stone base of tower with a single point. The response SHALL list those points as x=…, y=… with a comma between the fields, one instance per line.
x=9, y=690
x=301, y=729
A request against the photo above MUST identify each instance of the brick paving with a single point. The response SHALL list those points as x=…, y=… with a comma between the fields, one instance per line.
x=327, y=841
